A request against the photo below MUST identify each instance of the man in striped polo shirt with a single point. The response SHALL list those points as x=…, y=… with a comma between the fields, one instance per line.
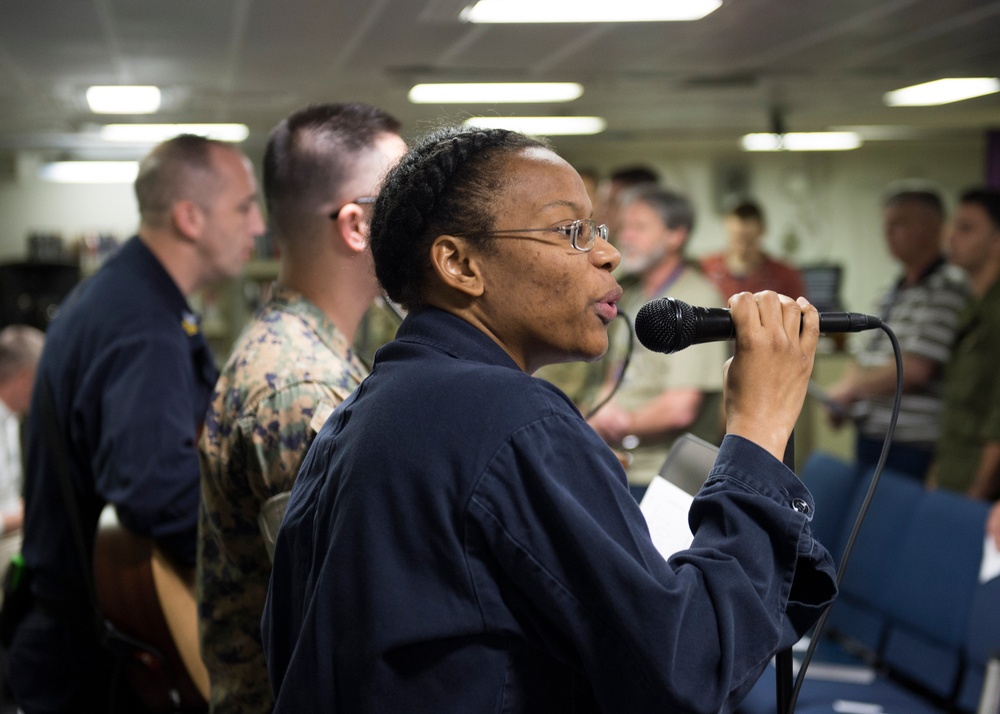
x=922, y=309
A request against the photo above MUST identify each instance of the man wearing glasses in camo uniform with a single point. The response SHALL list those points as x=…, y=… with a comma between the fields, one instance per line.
x=291, y=367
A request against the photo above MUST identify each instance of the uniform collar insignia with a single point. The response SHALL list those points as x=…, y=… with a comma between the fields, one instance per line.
x=189, y=321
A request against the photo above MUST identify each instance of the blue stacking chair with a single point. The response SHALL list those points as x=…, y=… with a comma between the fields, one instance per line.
x=860, y=614
x=982, y=641
x=833, y=483
x=940, y=616
x=933, y=592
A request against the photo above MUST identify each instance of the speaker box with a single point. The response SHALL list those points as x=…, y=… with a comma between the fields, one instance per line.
x=30, y=292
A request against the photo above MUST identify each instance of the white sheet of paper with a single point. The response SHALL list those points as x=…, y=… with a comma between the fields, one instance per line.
x=827, y=672
x=990, y=567
x=845, y=706
x=666, y=507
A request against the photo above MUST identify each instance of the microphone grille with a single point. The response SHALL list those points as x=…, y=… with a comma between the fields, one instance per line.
x=665, y=325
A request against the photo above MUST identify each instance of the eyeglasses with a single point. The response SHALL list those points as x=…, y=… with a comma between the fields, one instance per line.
x=362, y=201
x=582, y=234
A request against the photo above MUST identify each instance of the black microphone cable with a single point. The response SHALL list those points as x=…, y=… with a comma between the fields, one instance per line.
x=395, y=311
x=630, y=345
x=862, y=512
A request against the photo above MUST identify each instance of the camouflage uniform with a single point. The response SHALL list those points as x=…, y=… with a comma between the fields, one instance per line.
x=288, y=370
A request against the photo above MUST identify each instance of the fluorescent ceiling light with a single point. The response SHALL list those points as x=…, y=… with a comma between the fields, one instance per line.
x=89, y=171
x=495, y=92
x=155, y=133
x=542, y=126
x=123, y=99
x=802, y=141
x=587, y=10
x=942, y=91
x=883, y=132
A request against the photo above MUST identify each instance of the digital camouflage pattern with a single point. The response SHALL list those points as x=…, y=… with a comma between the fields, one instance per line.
x=287, y=372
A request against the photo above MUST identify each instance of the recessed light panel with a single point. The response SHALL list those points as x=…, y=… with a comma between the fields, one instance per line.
x=89, y=171
x=542, y=126
x=525, y=11
x=495, y=92
x=123, y=99
x=942, y=91
x=155, y=133
x=802, y=141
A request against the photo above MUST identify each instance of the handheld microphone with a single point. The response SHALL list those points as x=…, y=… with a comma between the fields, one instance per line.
x=668, y=325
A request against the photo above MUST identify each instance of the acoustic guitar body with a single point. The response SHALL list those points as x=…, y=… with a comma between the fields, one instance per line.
x=146, y=598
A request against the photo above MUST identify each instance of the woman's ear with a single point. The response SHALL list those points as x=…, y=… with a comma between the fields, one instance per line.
x=457, y=265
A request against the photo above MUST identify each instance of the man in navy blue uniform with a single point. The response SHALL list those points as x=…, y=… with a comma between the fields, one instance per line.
x=129, y=375
x=460, y=540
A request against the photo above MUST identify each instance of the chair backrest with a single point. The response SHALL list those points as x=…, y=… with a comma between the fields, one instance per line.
x=689, y=462
x=861, y=612
x=982, y=641
x=932, y=590
x=832, y=483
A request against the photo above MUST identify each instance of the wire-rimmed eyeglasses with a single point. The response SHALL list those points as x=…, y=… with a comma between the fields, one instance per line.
x=361, y=201
x=582, y=233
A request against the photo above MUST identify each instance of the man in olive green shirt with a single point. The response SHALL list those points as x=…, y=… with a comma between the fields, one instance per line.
x=968, y=452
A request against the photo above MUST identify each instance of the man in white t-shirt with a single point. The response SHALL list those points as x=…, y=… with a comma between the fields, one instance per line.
x=20, y=348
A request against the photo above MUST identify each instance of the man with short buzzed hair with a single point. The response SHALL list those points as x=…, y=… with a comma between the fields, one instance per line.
x=290, y=368
x=968, y=452
x=744, y=266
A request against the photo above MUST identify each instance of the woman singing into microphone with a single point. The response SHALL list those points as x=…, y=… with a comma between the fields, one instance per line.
x=460, y=540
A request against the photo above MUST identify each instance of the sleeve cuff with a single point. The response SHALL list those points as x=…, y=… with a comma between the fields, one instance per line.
x=742, y=462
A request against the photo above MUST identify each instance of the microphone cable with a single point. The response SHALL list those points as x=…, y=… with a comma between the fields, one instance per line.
x=630, y=345
x=399, y=314
x=392, y=311
x=397, y=310
x=862, y=512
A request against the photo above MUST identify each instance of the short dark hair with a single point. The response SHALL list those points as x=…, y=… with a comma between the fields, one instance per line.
x=310, y=153
x=925, y=196
x=988, y=199
x=635, y=175
x=588, y=172
x=747, y=210
x=174, y=170
x=674, y=209
x=446, y=184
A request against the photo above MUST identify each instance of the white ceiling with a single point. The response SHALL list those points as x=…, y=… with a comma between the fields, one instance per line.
x=823, y=63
